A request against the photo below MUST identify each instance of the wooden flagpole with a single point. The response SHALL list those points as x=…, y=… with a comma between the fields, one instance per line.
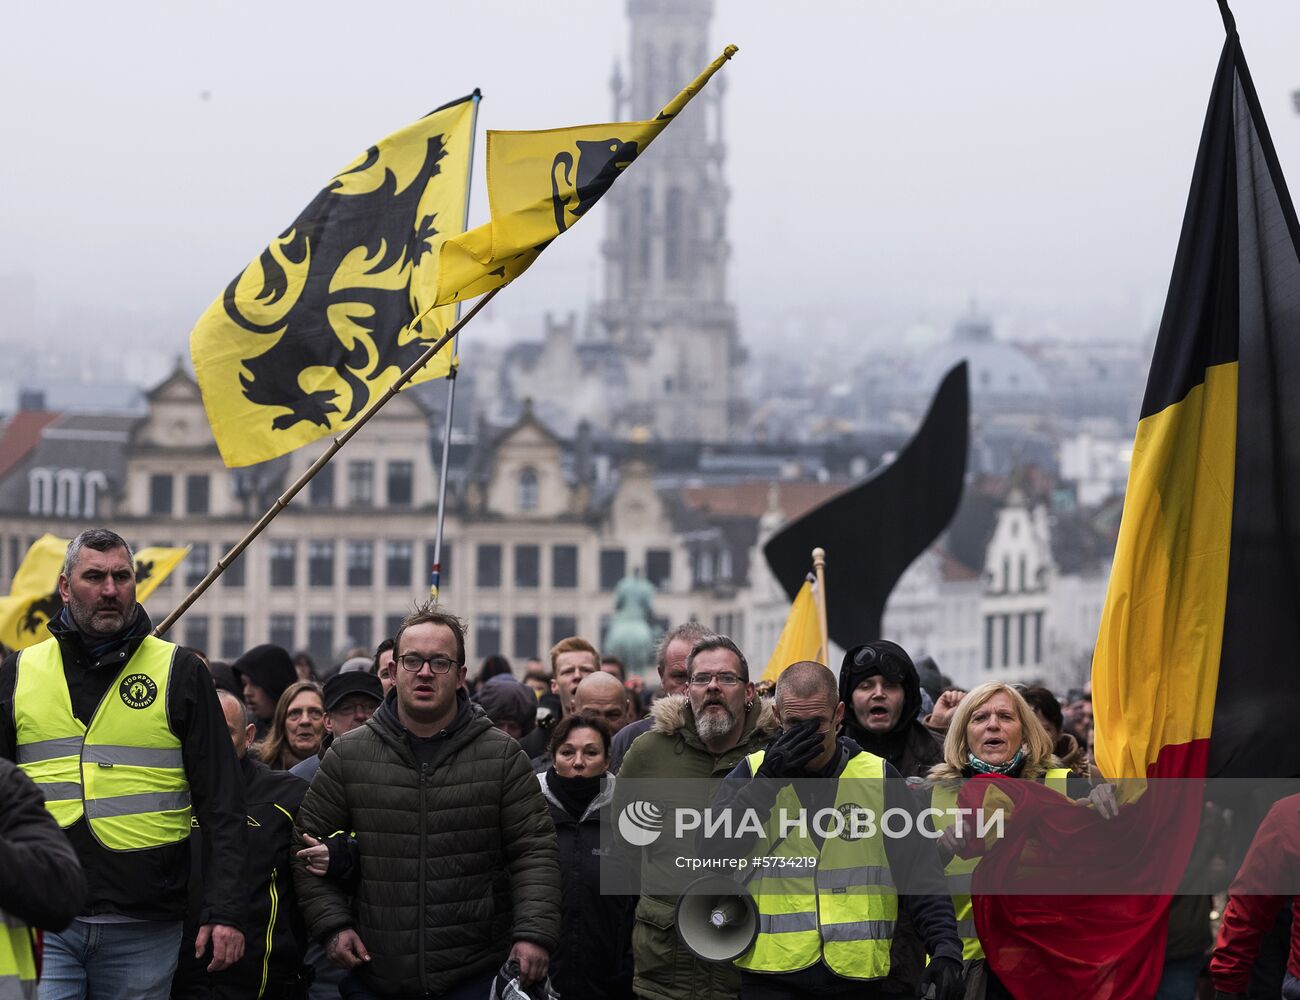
x=819, y=568
x=283, y=500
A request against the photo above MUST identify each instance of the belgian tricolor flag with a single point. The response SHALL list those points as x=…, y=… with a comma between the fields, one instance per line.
x=1197, y=666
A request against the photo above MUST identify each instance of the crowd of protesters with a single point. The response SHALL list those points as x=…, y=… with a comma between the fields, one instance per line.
x=390, y=827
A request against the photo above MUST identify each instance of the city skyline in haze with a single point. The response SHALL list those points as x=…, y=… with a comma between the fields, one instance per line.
x=887, y=166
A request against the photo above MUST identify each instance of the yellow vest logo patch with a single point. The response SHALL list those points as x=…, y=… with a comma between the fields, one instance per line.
x=138, y=691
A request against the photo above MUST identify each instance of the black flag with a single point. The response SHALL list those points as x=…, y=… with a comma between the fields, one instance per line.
x=874, y=530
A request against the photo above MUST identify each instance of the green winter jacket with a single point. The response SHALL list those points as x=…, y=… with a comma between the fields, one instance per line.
x=665, y=969
x=458, y=857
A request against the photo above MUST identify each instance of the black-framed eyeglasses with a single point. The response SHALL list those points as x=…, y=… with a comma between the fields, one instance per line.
x=725, y=679
x=413, y=662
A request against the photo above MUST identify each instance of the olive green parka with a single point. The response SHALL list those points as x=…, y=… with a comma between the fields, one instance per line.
x=672, y=749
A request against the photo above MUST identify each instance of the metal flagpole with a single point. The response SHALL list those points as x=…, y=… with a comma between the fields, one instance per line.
x=435, y=571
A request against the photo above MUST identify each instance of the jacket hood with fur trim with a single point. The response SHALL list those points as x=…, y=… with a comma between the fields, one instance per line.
x=672, y=716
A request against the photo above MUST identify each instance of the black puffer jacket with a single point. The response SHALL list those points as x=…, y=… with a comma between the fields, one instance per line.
x=274, y=937
x=458, y=856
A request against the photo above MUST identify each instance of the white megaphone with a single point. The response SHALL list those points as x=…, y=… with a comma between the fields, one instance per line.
x=717, y=919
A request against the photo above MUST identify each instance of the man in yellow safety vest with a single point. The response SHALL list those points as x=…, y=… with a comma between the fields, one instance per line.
x=839, y=858
x=123, y=735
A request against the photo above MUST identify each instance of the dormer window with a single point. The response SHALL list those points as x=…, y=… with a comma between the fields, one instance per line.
x=528, y=489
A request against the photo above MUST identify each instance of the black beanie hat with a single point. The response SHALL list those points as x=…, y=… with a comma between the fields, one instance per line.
x=269, y=667
x=503, y=697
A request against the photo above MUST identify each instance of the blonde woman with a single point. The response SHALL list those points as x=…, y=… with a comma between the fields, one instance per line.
x=993, y=731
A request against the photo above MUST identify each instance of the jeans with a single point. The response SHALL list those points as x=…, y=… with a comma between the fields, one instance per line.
x=1290, y=988
x=1179, y=980
x=135, y=960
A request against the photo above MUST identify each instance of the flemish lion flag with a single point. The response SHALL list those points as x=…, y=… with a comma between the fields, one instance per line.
x=1196, y=672
x=539, y=185
x=34, y=594
x=328, y=315
x=801, y=638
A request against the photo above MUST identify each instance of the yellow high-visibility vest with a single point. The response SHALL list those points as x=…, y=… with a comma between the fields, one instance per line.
x=17, y=960
x=124, y=772
x=840, y=909
x=957, y=873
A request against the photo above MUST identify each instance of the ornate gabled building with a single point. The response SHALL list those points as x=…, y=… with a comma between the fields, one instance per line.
x=536, y=536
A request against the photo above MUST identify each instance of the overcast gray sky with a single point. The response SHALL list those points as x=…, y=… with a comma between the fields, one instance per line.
x=887, y=160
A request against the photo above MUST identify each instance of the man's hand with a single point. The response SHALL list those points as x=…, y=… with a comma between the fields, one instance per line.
x=533, y=961
x=944, y=976
x=316, y=854
x=792, y=751
x=346, y=950
x=227, y=945
x=944, y=707
x=949, y=843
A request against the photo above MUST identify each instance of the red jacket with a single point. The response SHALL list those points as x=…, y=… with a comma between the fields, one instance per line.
x=1273, y=860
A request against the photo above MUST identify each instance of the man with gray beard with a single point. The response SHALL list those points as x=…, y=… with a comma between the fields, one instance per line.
x=701, y=734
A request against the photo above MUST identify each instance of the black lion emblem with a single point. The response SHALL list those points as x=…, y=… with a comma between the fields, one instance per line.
x=335, y=228
x=40, y=612
x=599, y=164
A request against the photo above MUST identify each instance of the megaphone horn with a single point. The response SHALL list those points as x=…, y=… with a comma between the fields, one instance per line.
x=717, y=919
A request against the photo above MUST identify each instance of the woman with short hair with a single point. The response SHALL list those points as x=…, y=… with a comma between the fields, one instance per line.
x=594, y=957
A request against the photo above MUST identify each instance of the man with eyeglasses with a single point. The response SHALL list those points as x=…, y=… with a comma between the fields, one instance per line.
x=350, y=699
x=702, y=734
x=460, y=868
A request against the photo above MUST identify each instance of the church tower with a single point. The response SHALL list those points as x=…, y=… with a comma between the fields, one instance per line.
x=666, y=308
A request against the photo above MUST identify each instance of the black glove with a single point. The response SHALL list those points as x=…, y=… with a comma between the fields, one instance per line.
x=792, y=751
x=944, y=974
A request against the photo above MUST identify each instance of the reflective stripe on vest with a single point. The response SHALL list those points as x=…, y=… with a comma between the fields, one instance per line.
x=125, y=773
x=17, y=960
x=842, y=911
x=957, y=874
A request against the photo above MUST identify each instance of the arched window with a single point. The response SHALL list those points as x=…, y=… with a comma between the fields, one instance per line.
x=40, y=491
x=67, y=493
x=94, y=484
x=528, y=489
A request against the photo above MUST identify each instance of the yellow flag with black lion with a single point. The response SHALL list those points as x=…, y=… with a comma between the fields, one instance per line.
x=327, y=317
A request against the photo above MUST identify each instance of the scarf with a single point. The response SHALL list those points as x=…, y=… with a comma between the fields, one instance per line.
x=574, y=794
x=983, y=767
